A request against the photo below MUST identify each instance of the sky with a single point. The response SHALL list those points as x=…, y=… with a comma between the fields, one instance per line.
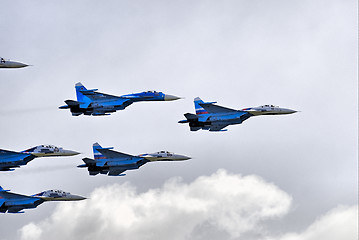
x=288, y=177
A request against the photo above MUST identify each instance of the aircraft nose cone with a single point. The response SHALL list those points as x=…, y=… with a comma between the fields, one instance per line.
x=289, y=111
x=76, y=198
x=171, y=97
x=71, y=153
x=20, y=65
x=183, y=157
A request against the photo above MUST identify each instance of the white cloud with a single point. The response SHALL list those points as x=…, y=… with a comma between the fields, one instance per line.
x=31, y=231
x=339, y=223
x=223, y=204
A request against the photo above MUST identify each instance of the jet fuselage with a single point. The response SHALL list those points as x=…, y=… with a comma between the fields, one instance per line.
x=268, y=110
x=49, y=151
x=164, y=156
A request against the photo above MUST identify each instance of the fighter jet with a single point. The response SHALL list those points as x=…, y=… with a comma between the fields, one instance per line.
x=115, y=163
x=11, y=64
x=91, y=102
x=214, y=118
x=11, y=159
x=14, y=203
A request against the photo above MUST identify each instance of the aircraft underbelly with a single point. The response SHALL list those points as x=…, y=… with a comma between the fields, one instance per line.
x=227, y=119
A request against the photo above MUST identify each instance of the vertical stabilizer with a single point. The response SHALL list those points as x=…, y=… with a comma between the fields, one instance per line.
x=80, y=97
x=198, y=108
x=97, y=155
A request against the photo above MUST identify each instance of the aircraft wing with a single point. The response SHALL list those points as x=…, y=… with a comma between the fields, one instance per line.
x=7, y=153
x=94, y=96
x=13, y=196
x=115, y=171
x=113, y=154
x=212, y=108
x=7, y=157
x=16, y=209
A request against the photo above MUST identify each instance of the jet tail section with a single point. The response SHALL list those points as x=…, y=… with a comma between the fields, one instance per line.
x=199, y=109
x=97, y=154
x=84, y=100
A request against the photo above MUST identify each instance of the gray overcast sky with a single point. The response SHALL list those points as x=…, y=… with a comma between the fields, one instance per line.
x=281, y=177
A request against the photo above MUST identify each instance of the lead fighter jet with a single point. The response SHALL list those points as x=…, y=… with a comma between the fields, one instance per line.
x=214, y=118
x=14, y=203
x=11, y=159
x=114, y=163
x=91, y=102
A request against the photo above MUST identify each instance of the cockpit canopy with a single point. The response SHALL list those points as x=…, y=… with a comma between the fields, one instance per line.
x=164, y=152
x=49, y=147
x=152, y=91
x=51, y=193
x=167, y=153
x=267, y=106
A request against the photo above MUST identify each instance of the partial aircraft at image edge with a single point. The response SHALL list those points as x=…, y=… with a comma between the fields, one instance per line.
x=93, y=103
x=215, y=118
x=11, y=64
x=14, y=203
x=115, y=163
x=12, y=159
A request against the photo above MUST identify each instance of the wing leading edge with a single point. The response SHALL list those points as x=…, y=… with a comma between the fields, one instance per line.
x=212, y=108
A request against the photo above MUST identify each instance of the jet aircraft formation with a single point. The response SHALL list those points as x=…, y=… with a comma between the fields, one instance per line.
x=90, y=102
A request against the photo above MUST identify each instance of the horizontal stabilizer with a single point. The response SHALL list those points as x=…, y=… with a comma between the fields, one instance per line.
x=191, y=116
x=89, y=161
x=73, y=103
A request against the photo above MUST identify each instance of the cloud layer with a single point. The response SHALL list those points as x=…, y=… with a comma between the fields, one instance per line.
x=220, y=205
x=339, y=223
